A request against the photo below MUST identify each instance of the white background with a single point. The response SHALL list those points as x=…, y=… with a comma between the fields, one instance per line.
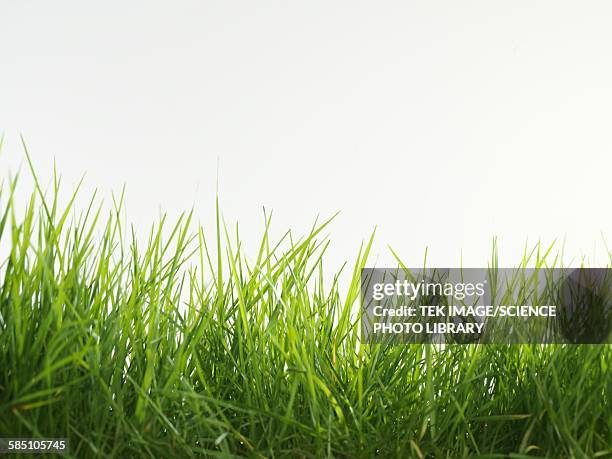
x=444, y=124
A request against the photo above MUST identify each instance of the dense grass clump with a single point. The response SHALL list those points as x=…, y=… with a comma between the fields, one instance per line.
x=183, y=347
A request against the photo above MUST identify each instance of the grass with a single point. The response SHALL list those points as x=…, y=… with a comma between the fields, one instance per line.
x=184, y=347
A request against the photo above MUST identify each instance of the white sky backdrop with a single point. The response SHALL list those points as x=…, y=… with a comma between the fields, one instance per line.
x=442, y=123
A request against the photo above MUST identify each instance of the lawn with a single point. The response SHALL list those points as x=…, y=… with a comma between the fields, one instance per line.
x=184, y=346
